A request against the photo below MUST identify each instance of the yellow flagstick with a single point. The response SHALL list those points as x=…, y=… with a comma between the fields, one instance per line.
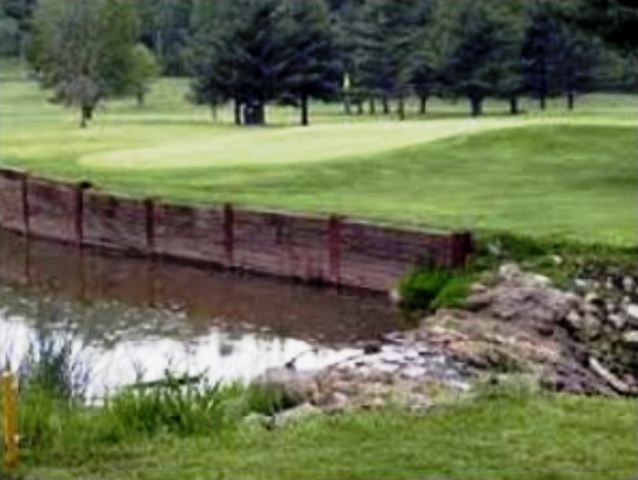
x=10, y=420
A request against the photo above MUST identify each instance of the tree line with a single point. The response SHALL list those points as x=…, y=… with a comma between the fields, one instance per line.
x=372, y=55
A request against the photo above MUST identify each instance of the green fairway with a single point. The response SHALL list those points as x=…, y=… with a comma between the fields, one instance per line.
x=570, y=175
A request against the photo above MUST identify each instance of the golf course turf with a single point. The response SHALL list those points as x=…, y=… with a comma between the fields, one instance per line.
x=568, y=175
x=557, y=174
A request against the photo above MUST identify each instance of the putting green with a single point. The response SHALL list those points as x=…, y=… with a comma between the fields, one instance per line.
x=276, y=146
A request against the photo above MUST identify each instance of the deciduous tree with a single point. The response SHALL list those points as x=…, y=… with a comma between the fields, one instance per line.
x=83, y=50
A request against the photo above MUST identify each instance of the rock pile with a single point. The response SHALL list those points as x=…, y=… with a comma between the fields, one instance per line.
x=515, y=322
x=412, y=375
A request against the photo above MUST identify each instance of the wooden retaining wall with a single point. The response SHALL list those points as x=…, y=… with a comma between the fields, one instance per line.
x=331, y=250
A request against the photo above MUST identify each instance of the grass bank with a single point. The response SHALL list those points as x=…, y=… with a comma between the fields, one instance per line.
x=183, y=427
x=496, y=437
x=564, y=175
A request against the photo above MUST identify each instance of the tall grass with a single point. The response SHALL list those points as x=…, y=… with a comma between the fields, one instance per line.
x=54, y=416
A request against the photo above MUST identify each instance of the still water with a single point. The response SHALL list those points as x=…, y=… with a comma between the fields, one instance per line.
x=130, y=319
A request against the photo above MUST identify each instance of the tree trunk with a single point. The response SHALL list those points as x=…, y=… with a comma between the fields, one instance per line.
x=159, y=45
x=514, y=110
x=86, y=115
x=360, y=107
x=304, y=111
x=237, y=108
x=347, y=108
x=571, y=100
x=423, y=104
x=141, y=97
x=213, y=111
x=372, y=106
x=543, y=101
x=254, y=113
x=386, y=104
x=477, y=106
x=401, y=108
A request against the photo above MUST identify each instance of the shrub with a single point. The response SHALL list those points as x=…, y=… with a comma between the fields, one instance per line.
x=428, y=289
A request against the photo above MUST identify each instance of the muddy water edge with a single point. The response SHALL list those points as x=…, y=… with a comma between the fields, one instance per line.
x=131, y=319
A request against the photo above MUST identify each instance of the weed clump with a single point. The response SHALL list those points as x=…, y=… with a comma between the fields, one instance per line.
x=428, y=289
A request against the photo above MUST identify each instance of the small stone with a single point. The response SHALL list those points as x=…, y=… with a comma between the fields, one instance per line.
x=256, y=420
x=372, y=348
x=541, y=280
x=395, y=296
x=413, y=372
x=509, y=271
x=591, y=326
x=339, y=402
x=592, y=298
x=592, y=309
x=298, y=385
x=632, y=311
x=296, y=415
x=375, y=403
x=631, y=338
x=557, y=260
x=478, y=289
x=585, y=324
x=617, y=321
x=581, y=284
x=574, y=320
x=629, y=284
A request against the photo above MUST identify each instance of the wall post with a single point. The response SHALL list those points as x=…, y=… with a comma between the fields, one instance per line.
x=229, y=233
x=25, y=205
x=149, y=206
x=334, y=249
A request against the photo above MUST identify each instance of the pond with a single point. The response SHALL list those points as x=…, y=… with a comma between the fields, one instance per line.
x=130, y=319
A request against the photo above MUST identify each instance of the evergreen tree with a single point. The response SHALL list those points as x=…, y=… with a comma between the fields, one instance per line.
x=9, y=35
x=560, y=60
x=423, y=75
x=241, y=57
x=387, y=35
x=17, y=23
x=165, y=27
x=311, y=64
x=511, y=84
x=474, y=51
x=542, y=46
x=615, y=21
x=346, y=15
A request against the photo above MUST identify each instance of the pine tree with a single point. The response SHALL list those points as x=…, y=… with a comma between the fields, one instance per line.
x=165, y=27
x=21, y=14
x=387, y=35
x=544, y=40
x=242, y=58
x=311, y=64
x=473, y=51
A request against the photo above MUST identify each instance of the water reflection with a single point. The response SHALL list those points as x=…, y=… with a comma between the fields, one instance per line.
x=131, y=318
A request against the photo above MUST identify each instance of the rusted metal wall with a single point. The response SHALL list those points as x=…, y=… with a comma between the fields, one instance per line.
x=331, y=250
